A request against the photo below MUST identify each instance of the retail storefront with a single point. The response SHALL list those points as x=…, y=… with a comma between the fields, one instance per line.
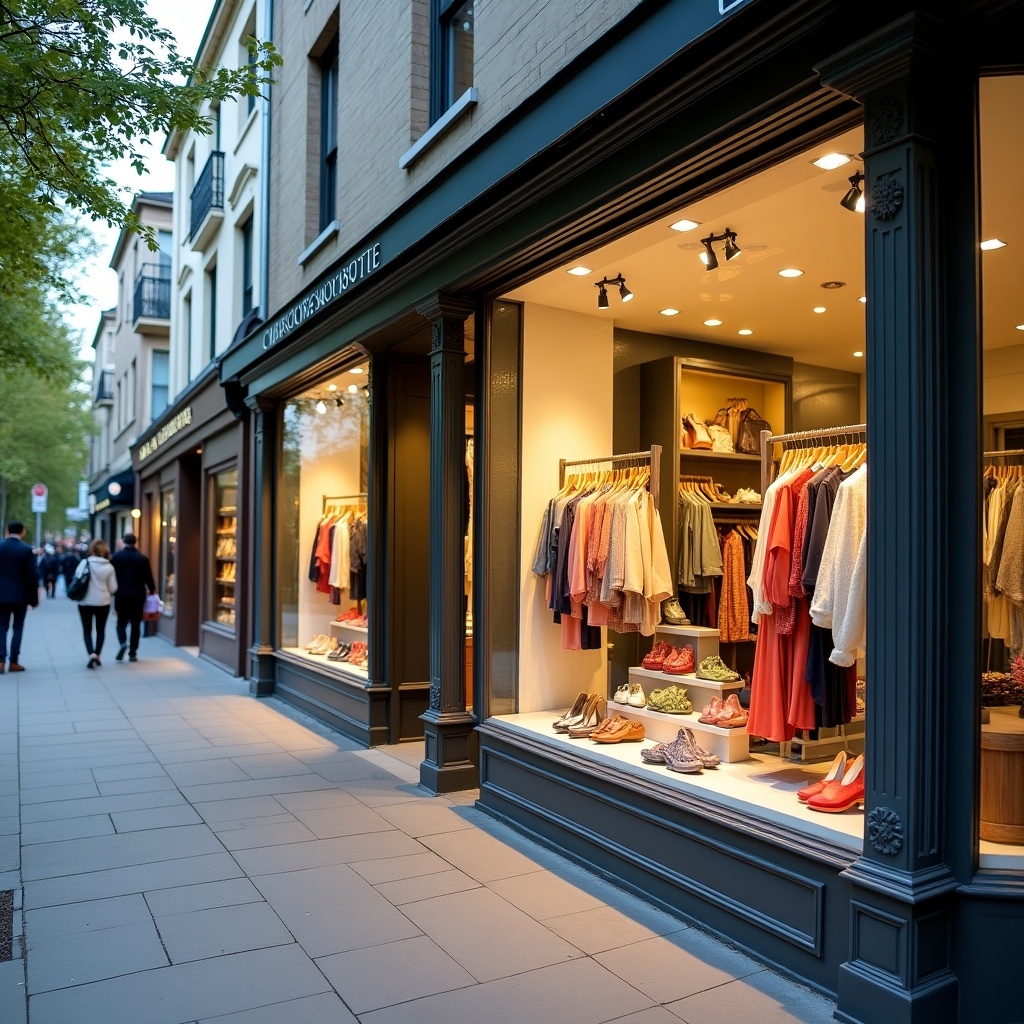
x=850, y=328
x=110, y=507
x=191, y=467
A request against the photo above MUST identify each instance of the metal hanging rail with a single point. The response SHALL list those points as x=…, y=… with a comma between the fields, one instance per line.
x=800, y=439
x=1003, y=454
x=651, y=455
x=342, y=497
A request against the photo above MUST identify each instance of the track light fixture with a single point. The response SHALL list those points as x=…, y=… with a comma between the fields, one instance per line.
x=854, y=199
x=602, y=290
x=730, y=251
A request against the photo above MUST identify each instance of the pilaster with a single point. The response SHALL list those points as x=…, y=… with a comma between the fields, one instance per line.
x=924, y=412
x=264, y=449
x=376, y=514
x=447, y=724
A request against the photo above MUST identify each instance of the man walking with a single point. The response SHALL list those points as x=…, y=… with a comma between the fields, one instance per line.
x=19, y=588
x=134, y=582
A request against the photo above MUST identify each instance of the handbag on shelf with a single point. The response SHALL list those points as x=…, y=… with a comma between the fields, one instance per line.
x=749, y=441
x=152, y=607
x=79, y=583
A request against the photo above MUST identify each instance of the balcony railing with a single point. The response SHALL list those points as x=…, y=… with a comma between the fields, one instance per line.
x=208, y=193
x=103, y=392
x=153, y=293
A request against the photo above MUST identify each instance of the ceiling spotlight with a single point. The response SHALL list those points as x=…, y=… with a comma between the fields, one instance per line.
x=669, y=311
x=745, y=331
x=712, y=323
x=579, y=271
x=791, y=272
x=338, y=401
x=332, y=387
x=854, y=199
x=858, y=355
x=1019, y=327
x=831, y=285
x=321, y=407
x=353, y=388
x=360, y=369
x=992, y=243
x=863, y=298
x=685, y=225
x=830, y=161
x=602, y=290
x=819, y=309
x=731, y=250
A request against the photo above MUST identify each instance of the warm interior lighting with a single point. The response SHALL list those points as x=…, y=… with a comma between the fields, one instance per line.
x=353, y=388
x=854, y=199
x=602, y=290
x=830, y=161
x=744, y=331
x=668, y=311
x=992, y=243
x=712, y=323
x=136, y=513
x=685, y=225
x=730, y=251
x=321, y=407
x=791, y=272
x=820, y=309
x=359, y=369
x=580, y=271
x=858, y=355
x=332, y=387
x=863, y=298
x=1020, y=327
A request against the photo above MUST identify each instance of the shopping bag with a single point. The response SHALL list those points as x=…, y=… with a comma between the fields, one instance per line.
x=152, y=607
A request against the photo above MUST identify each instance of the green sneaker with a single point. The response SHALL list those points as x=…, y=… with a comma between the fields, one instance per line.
x=712, y=667
x=672, y=701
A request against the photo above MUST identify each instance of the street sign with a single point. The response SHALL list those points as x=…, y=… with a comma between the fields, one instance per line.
x=39, y=493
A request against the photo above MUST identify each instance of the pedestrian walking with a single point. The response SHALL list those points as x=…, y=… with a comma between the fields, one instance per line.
x=94, y=608
x=51, y=568
x=134, y=582
x=68, y=564
x=19, y=590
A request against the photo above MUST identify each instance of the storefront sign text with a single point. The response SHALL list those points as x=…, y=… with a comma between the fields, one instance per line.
x=101, y=505
x=166, y=432
x=351, y=272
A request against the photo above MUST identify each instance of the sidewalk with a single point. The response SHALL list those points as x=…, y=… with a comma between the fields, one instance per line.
x=182, y=853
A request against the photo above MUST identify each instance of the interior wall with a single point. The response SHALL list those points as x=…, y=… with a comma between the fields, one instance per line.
x=823, y=397
x=566, y=414
x=1004, y=381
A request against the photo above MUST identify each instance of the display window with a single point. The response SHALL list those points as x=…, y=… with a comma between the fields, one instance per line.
x=323, y=524
x=224, y=561
x=693, y=502
x=168, y=543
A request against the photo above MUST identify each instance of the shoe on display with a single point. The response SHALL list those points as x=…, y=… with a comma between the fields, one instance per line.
x=593, y=715
x=838, y=796
x=672, y=612
x=682, y=664
x=610, y=725
x=836, y=770
x=630, y=732
x=710, y=712
x=705, y=756
x=621, y=695
x=672, y=700
x=712, y=667
x=572, y=712
x=636, y=698
x=680, y=758
x=654, y=660
x=731, y=715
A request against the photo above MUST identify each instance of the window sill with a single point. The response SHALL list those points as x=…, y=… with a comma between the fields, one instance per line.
x=465, y=102
x=328, y=234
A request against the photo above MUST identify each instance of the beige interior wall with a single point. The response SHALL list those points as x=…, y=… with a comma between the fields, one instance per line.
x=567, y=414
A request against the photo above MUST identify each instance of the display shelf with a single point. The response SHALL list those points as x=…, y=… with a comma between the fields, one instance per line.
x=703, y=639
x=696, y=632
x=348, y=626
x=735, y=506
x=731, y=745
x=689, y=681
x=226, y=558
x=225, y=582
x=704, y=453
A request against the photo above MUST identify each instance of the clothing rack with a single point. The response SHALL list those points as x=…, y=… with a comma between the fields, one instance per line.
x=651, y=456
x=1009, y=452
x=801, y=439
x=342, y=498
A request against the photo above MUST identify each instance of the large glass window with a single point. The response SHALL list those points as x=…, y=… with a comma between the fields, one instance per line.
x=323, y=526
x=168, y=543
x=225, y=548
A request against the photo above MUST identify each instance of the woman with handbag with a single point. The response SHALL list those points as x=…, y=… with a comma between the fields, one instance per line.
x=94, y=608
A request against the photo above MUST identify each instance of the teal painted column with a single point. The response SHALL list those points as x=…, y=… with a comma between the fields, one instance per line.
x=924, y=415
x=448, y=726
x=264, y=462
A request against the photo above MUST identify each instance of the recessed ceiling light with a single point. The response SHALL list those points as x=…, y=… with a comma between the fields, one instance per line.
x=712, y=323
x=353, y=388
x=858, y=355
x=685, y=225
x=863, y=298
x=830, y=285
x=992, y=243
x=357, y=369
x=580, y=271
x=830, y=161
x=668, y=311
x=1020, y=327
x=819, y=309
x=791, y=272
x=745, y=331
x=332, y=387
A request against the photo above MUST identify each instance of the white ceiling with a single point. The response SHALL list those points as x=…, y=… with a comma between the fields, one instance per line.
x=789, y=216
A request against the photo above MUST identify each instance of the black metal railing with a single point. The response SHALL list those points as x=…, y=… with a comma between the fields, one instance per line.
x=104, y=390
x=153, y=292
x=208, y=193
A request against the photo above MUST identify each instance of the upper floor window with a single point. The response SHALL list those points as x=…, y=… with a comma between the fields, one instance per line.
x=211, y=306
x=246, y=231
x=250, y=101
x=451, y=53
x=328, y=133
x=160, y=383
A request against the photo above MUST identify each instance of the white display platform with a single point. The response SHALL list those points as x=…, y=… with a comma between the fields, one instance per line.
x=731, y=745
x=763, y=786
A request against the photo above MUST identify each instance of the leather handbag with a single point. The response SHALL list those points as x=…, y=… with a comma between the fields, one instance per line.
x=78, y=586
x=749, y=440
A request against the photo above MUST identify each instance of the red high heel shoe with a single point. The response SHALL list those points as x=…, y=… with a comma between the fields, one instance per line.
x=841, y=796
x=836, y=771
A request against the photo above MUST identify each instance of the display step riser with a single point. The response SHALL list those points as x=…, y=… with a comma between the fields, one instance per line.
x=348, y=626
x=703, y=640
x=730, y=745
x=699, y=691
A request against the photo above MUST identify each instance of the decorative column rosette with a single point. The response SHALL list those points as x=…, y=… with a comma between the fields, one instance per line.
x=885, y=118
x=886, y=198
x=885, y=830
